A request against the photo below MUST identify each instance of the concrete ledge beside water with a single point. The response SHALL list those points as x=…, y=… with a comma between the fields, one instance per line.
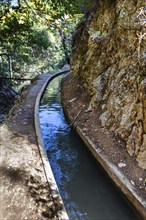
x=62, y=214
x=27, y=186
x=114, y=173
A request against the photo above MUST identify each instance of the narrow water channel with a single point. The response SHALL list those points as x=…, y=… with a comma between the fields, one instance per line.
x=85, y=189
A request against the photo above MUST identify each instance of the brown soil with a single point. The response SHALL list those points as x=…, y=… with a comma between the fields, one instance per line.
x=25, y=191
x=76, y=101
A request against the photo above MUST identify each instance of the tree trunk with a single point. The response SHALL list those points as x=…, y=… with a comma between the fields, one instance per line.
x=10, y=66
x=63, y=38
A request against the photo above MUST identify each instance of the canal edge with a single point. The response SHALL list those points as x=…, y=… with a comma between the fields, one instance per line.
x=116, y=175
x=62, y=213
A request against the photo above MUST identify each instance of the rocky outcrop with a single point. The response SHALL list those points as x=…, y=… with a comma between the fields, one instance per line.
x=109, y=58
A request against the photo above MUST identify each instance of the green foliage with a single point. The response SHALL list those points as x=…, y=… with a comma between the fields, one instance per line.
x=40, y=38
x=35, y=35
x=71, y=7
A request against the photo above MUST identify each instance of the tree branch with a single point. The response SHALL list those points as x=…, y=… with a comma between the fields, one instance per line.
x=75, y=118
x=19, y=79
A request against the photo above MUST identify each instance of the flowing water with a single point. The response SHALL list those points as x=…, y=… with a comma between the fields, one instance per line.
x=86, y=190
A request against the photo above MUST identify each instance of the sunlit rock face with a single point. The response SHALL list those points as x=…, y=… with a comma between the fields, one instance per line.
x=109, y=56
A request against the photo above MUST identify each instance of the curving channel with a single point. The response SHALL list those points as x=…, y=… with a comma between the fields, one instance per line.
x=86, y=190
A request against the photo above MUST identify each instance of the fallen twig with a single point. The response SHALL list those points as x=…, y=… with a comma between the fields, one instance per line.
x=70, y=101
x=75, y=118
x=35, y=168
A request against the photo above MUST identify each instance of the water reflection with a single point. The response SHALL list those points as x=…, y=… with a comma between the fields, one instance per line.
x=86, y=191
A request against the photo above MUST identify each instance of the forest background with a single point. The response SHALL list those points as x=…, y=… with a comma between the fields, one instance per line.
x=35, y=38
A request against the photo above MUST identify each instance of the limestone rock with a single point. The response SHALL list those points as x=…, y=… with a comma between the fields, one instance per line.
x=109, y=57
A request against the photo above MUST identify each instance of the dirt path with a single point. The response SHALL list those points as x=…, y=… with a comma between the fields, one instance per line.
x=24, y=188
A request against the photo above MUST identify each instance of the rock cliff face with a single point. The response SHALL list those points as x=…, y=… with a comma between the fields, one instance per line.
x=109, y=57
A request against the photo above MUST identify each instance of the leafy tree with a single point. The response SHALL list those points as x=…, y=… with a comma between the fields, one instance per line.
x=27, y=29
x=15, y=27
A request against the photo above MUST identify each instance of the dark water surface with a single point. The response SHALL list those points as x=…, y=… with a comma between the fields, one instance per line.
x=86, y=190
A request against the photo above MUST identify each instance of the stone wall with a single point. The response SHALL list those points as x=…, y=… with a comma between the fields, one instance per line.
x=109, y=56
